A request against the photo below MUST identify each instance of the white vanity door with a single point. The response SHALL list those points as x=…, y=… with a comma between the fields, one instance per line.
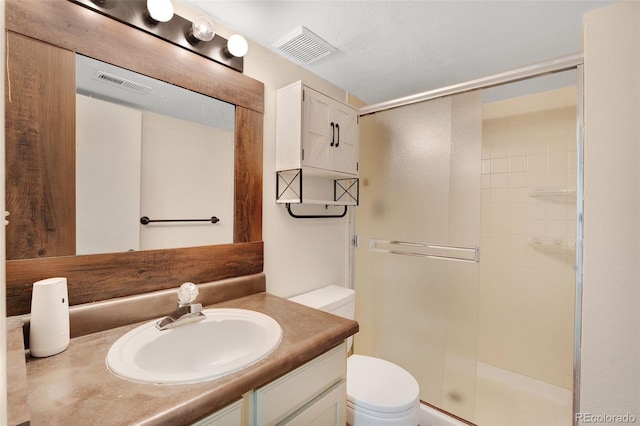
x=345, y=154
x=328, y=409
x=318, y=130
x=229, y=415
x=291, y=396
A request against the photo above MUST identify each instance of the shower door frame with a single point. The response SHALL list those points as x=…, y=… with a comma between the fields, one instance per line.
x=565, y=63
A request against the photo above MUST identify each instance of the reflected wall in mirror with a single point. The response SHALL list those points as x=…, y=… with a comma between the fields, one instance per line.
x=148, y=148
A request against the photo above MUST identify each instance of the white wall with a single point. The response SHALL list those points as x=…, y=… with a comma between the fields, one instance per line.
x=300, y=254
x=186, y=172
x=107, y=200
x=611, y=300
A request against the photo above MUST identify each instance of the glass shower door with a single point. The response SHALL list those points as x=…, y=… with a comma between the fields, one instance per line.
x=418, y=223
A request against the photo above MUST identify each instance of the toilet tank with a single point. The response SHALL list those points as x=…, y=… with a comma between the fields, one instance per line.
x=333, y=299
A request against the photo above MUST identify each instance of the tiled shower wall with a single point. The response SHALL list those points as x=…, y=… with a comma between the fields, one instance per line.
x=528, y=229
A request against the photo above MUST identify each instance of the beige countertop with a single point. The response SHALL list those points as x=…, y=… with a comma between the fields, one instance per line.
x=17, y=391
x=76, y=388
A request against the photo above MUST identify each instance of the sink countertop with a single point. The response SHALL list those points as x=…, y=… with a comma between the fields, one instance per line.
x=17, y=391
x=75, y=387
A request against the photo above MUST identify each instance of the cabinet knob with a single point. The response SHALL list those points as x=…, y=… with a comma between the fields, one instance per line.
x=338, y=130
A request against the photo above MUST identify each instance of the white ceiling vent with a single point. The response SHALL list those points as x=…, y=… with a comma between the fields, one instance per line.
x=123, y=83
x=304, y=46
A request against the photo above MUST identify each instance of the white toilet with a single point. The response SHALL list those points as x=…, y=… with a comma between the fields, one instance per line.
x=379, y=393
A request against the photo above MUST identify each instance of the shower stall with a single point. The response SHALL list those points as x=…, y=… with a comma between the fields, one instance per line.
x=468, y=248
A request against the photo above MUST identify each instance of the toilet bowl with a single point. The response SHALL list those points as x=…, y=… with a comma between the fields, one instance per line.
x=378, y=391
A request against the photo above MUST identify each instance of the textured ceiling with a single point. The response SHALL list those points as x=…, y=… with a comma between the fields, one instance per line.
x=391, y=49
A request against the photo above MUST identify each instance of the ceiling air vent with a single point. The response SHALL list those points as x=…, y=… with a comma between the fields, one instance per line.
x=304, y=46
x=123, y=83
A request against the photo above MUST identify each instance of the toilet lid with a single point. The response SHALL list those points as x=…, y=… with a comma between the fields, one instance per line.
x=380, y=385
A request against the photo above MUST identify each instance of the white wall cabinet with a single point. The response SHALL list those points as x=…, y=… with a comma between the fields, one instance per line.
x=316, y=148
x=107, y=203
x=312, y=394
x=315, y=131
x=329, y=133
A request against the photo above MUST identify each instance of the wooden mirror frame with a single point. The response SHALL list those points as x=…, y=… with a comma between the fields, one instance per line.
x=42, y=40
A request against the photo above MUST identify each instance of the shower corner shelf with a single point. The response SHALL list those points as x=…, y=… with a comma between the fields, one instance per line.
x=551, y=244
x=567, y=195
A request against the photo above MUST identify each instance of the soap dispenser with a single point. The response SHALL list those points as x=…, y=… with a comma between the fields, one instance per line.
x=49, y=330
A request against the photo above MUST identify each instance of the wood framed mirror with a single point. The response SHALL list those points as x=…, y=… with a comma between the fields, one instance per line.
x=42, y=41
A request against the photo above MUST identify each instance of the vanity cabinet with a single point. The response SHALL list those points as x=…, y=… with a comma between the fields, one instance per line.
x=315, y=132
x=312, y=394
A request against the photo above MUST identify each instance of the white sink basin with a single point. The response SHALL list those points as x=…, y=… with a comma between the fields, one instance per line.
x=226, y=341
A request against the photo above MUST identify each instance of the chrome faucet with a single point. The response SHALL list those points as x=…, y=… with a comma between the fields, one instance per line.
x=187, y=310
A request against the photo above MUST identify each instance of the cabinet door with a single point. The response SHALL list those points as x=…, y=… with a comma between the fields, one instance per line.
x=230, y=415
x=293, y=393
x=329, y=409
x=345, y=154
x=318, y=133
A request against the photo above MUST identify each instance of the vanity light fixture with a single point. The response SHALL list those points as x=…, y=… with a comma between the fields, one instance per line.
x=157, y=17
x=237, y=46
x=160, y=10
x=201, y=30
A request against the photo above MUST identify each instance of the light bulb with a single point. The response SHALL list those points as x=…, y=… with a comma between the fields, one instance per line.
x=237, y=46
x=160, y=10
x=202, y=28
